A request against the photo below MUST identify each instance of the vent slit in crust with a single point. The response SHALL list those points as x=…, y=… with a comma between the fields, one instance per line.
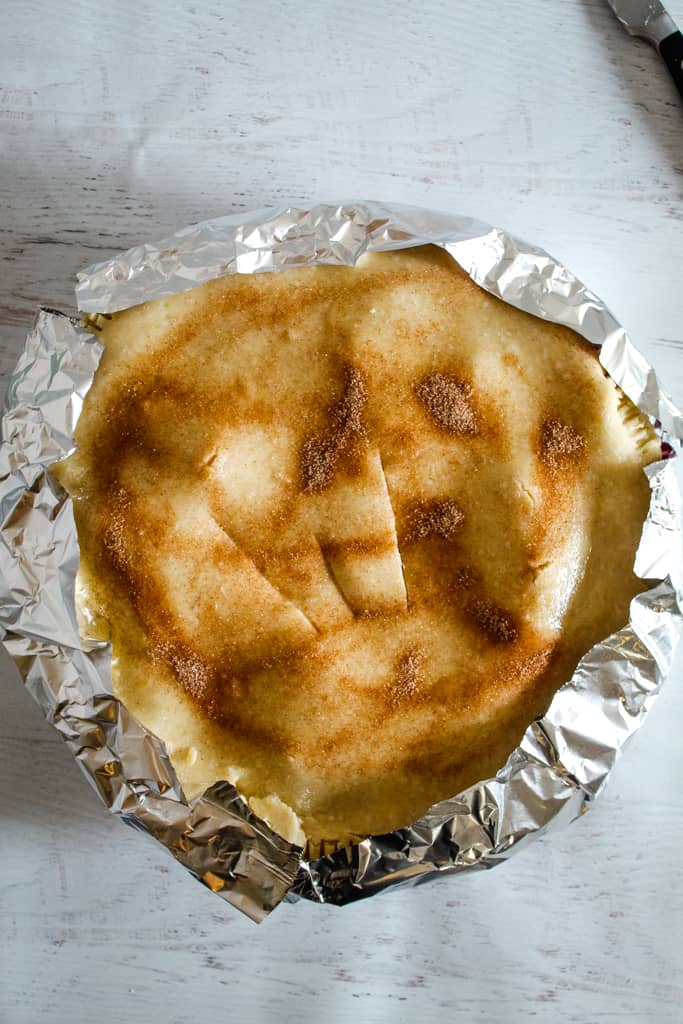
x=394, y=530
x=330, y=573
x=286, y=600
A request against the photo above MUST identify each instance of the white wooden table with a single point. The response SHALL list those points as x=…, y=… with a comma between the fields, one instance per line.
x=120, y=122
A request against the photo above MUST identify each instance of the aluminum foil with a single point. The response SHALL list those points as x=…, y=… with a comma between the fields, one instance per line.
x=563, y=758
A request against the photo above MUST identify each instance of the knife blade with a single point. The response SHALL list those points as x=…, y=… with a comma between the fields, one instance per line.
x=649, y=20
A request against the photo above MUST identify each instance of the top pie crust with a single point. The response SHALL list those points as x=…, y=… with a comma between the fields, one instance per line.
x=348, y=529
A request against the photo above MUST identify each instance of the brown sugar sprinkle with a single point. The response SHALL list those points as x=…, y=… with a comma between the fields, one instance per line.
x=114, y=529
x=405, y=685
x=435, y=518
x=492, y=620
x=320, y=455
x=532, y=665
x=373, y=545
x=189, y=669
x=465, y=578
x=448, y=400
x=561, y=444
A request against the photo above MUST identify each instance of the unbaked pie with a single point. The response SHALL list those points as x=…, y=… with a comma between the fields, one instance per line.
x=348, y=529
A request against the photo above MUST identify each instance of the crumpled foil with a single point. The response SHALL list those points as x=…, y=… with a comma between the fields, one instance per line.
x=563, y=758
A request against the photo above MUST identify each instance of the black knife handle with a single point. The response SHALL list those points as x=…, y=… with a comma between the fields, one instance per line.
x=671, y=50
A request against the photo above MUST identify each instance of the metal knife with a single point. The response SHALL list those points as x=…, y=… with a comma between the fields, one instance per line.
x=649, y=20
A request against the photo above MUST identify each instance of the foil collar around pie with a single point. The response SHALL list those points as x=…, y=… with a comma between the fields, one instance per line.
x=563, y=758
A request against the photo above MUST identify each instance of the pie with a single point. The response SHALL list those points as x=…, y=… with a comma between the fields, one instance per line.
x=348, y=529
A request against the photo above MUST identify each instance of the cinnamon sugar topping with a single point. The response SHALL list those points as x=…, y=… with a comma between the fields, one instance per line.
x=561, y=444
x=465, y=578
x=405, y=686
x=495, y=622
x=448, y=400
x=320, y=455
x=114, y=529
x=437, y=518
x=192, y=671
x=300, y=573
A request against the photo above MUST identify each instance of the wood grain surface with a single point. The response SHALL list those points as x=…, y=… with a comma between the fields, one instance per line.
x=119, y=123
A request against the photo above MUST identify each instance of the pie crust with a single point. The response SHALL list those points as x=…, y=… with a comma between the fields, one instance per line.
x=348, y=529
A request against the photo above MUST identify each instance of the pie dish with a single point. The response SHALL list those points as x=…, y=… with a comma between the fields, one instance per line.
x=348, y=529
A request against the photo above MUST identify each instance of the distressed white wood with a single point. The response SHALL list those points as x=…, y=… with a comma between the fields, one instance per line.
x=120, y=122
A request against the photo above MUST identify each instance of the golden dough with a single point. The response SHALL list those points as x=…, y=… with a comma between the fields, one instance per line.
x=348, y=530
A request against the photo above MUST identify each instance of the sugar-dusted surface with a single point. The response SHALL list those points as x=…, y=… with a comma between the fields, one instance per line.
x=222, y=562
x=564, y=131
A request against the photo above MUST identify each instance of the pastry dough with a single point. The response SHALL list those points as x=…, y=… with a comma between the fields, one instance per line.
x=348, y=529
